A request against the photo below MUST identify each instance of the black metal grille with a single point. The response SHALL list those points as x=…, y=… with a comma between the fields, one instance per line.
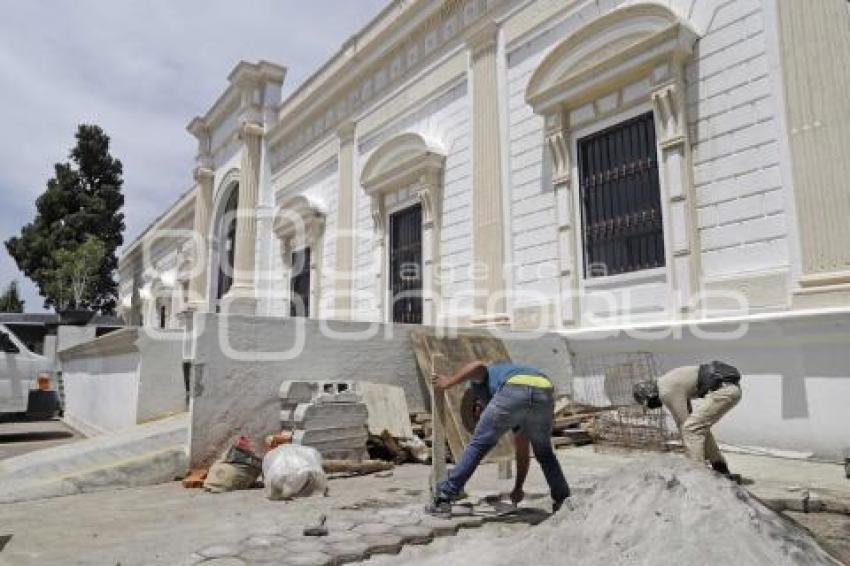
x=299, y=284
x=228, y=244
x=621, y=202
x=406, y=265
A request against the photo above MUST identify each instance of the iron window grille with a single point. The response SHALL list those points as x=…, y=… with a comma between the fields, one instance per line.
x=299, y=283
x=620, y=199
x=406, y=265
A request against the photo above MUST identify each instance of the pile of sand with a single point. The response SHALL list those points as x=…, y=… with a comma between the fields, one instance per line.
x=662, y=510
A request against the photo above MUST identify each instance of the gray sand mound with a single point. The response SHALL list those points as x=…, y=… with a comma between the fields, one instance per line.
x=662, y=510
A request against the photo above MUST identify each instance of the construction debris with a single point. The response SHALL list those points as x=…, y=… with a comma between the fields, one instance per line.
x=386, y=406
x=357, y=468
x=329, y=416
x=237, y=468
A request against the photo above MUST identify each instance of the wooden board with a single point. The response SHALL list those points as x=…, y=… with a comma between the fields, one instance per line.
x=387, y=407
x=458, y=351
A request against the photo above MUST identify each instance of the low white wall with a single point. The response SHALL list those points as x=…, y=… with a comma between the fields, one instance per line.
x=795, y=366
x=237, y=391
x=122, y=379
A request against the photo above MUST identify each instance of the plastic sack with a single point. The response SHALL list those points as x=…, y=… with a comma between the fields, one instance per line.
x=293, y=470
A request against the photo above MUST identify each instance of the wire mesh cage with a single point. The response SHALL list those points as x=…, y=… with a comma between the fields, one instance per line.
x=605, y=381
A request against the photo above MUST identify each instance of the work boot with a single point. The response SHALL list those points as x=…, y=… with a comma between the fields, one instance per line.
x=720, y=467
x=441, y=506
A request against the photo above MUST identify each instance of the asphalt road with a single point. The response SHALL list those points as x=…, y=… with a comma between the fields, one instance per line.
x=21, y=437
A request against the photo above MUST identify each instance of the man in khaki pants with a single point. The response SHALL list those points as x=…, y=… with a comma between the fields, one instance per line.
x=717, y=384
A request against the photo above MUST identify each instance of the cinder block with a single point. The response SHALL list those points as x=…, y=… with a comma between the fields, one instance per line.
x=312, y=415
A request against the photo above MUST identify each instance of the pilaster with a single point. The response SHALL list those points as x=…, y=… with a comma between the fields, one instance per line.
x=668, y=101
x=487, y=213
x=204, y=177
x=241, y=298
x=558, y=143
x=345, y=224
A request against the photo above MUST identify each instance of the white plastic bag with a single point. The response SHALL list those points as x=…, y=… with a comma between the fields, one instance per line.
x=292, y=470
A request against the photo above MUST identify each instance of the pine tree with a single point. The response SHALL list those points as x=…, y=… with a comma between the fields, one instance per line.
x=10, y=300
x=82, y=199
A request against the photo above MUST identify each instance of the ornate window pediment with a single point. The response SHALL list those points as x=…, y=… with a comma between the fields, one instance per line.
x=617, y=47
x=401, y=161
x=300, y=217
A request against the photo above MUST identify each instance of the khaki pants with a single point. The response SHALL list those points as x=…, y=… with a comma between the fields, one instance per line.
x=675, y=389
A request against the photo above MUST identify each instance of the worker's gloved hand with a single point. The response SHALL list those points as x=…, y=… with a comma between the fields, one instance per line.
x=517, y=495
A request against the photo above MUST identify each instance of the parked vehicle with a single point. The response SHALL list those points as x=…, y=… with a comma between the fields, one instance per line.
x=27, y=381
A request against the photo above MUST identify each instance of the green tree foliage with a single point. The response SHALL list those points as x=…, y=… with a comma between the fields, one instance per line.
x=10, y=300
x=82, y=199
x=74, y=279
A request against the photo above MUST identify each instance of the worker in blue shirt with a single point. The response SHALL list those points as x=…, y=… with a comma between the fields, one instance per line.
x=518, y=398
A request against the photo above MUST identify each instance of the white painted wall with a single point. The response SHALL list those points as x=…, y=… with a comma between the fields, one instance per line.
x=122, y=379
x=796, y=373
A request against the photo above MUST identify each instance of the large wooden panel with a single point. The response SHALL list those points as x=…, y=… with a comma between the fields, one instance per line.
x=455, y=352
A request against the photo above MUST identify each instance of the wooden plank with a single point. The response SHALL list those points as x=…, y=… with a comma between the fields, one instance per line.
x=438, y=437
x=458, y=351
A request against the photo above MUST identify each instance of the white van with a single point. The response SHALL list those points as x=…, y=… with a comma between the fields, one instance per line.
x=27, y=384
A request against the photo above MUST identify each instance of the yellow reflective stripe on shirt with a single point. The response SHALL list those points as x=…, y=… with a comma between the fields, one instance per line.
x=531, y=381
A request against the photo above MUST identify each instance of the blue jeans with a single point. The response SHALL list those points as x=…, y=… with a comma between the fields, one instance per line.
x=515, y=406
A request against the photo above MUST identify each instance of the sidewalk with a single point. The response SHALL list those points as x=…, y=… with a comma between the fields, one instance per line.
x=165, y=524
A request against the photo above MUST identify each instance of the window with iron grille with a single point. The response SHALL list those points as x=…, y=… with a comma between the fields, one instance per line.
x=406, y=265
x=299, y=284
x=620, y=199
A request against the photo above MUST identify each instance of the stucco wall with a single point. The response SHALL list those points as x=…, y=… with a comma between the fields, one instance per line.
x=796, y=374
x=236, y=392
x=122, y=379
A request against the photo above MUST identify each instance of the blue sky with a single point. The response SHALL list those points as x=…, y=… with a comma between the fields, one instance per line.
x=141, y=69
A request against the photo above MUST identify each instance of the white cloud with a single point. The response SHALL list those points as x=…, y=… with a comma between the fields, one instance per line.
x=141, y=69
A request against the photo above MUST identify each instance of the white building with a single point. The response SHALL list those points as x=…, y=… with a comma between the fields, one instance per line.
x=564, y=163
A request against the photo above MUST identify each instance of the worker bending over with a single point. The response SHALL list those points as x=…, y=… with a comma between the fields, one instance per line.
x=518, y=398
x=717, y=384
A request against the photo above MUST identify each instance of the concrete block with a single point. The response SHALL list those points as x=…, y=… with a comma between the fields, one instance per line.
x=348, y=437
x=312, y=416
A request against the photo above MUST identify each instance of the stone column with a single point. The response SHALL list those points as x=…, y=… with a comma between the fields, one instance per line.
x=243, y=291
x=814, y=43
x=345, y=224
x=200, y=253
x=487, y=219
x=682, y=251
x=557, y=141
x=430, y=199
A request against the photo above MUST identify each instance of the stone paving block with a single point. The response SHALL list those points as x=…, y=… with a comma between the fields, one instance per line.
x=372, y=528
x=337, y=525
x=461, y=510
x=441, y=527
x=414, y=534
x=387, y=543
x=263, y=541
x=470, y=522
x=229, y=561
x=304, y=545
x=341, y=536
x=347, y=551
x=307, y=559
x=192, y=559
x=218, y=551
x=401, y=520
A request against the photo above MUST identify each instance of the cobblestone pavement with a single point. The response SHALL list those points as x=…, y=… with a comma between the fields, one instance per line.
x=355, y=535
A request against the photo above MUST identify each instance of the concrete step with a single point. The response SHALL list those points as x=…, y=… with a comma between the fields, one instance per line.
x=147, y=453
x=146, y=469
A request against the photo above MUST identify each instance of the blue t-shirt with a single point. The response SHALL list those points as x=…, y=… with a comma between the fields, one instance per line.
x=498, y=375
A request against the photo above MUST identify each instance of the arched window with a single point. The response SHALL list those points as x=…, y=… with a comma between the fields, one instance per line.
x=227, y=240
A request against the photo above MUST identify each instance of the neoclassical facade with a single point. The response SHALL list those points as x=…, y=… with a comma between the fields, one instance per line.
x=533, y=163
